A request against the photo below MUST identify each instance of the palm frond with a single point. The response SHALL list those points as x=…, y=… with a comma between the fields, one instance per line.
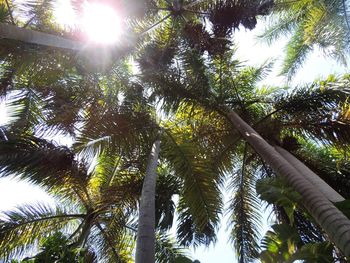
x=188, y=233
x=296, y=53
x=125, y=128
x=42, y=163
x=167, y=186
x=321, y=24
x=245, y=207
x=22, y=227
x=168, y=251
x=278, y=27
x=318, y=111
x=25, y=112
x=200, y=196
x=329, y=162
x=111, y=243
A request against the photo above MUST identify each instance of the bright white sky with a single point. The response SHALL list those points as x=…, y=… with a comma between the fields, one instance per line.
x=249, y=49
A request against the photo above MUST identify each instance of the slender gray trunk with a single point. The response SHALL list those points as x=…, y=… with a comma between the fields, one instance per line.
x=145, y=243
x=333, y=222
x=313, y=178
x=12, y=32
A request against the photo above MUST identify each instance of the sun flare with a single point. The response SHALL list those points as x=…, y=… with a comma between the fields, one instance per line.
x=100, y=23
x=64, y=14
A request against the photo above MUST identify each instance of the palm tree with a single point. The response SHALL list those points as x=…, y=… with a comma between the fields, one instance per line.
x=263, y=148
x=46, y=112
x=89, y=215
x=116, y=134
x=99, y=121
x=191, y=82
x=205, y=211
x=324, y=212
x=96, y=208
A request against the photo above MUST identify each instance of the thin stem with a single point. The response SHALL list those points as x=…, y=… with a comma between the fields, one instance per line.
x=241, y=189
x=72, y=216
x=115, y=170
x=346, y=15
x=130, y=228
x=106, y=237
x=154, y=25
x=10, y=12
x=28, y=22
x=77, y=230
x=194, y=3
x=196, y=12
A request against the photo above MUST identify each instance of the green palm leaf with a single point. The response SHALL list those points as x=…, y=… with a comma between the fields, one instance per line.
x=318, y=111
x=42, y=163
x=20, y=228
x=200, y=200
x=245, y=210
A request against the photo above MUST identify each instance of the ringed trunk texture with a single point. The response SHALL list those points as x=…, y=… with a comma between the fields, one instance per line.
x=145, y=242
x=313, y=178
x=333, y=222
x=12, y=32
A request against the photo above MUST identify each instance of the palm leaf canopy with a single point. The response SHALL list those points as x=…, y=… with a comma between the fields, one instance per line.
x=311, y=24
x=100, y=203
x=113, y=126
x=318, y=111
x=315, y=112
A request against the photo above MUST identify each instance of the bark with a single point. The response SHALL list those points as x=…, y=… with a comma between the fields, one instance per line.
x=145, y=243
x=333, y=222
x=313, y=178
x=12, y=32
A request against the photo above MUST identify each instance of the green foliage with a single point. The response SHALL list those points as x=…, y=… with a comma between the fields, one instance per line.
x=319, y=252
x=56, y=248
x=288, y=208
x=329, y=162
x=20, y=228
x=200, y=202
x=190, y=68
x=168, y=251
x=315, y=112
x=312, y=24
x=245, y=208
x=283, y=244
x=276, y=191
x=168, y=185
x=4, y=13
x=279, y=244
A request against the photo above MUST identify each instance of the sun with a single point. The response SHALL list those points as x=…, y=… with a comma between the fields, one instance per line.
x=101, y=23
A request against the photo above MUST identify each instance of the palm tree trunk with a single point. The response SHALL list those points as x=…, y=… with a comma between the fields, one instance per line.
x=145, y=243
x=333, y=222
x=12, y=32
x=313, y=178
